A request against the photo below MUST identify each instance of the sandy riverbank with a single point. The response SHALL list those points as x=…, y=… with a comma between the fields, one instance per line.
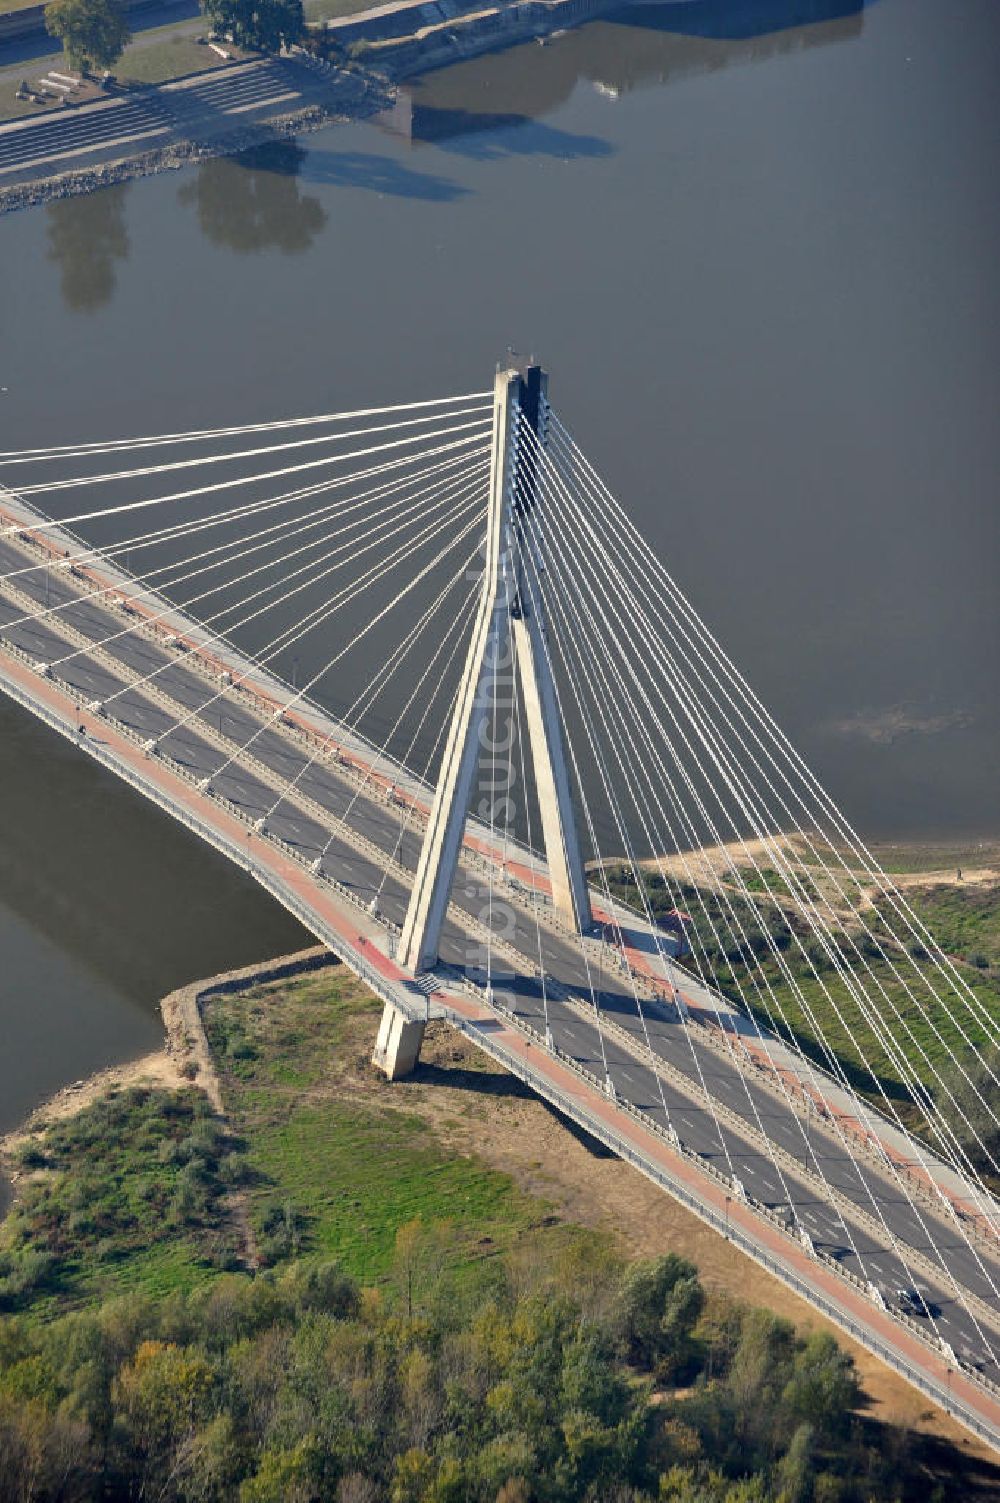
x=185, y=1058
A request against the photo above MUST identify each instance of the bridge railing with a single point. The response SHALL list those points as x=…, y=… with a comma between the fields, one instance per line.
x=940, y=1392
x=401, y=998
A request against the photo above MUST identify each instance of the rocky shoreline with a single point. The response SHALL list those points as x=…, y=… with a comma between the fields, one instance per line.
x=167, y=158
x=490, y=29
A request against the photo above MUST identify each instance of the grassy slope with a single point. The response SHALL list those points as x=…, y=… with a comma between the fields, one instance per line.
x=966, y=922
x=131, y=1194
x=141, y=1190
x=335, y=1164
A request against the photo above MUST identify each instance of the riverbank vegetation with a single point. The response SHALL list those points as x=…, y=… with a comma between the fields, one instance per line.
x=319, y=1298
x=801, y=996
x=557, y=1380
x=94, y=33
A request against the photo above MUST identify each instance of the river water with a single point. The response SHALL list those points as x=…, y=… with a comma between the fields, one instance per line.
x=758, y=258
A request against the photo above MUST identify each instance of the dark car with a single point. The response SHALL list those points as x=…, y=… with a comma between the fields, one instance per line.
x=912, y=1302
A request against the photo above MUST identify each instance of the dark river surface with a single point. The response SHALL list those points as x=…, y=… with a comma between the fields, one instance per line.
x=759, y=260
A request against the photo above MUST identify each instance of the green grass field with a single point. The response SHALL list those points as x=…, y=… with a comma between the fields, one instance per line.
x=139, y=1192
x=336, y=1170
x=878, y=1019
x=131, y=1194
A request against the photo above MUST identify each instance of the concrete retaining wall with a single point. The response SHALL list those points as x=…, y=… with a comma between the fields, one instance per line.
x=482, y=31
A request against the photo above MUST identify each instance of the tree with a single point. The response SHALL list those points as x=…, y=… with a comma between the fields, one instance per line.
x=94, y=33
x=263, y=25
x=969, y=1109
x=661, y=1302
x=252, y=202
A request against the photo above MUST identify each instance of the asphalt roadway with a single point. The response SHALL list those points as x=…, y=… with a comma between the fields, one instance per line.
x=575, y=965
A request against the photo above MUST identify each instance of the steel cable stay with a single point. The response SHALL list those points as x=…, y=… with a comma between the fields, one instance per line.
x=858, y=916
x=458, y=626
x=530, y=566
x=492, y=834
x=518, y=739
x=529, y=561
x=556, y=637
x=893, y=1240
x=233, y=515
x=197, y=435
x=299, y=694
x=892, y=1112
x=964, y=1238
x=537, y=605
x=49, y=524
x=887, y=956
x=350, y=720
x=314, y=617
x=576, y=631
x=700, y=954
x=75, y=481
x=461, y=623
x=366, y=697
x=584, y=955
x=289, y=528
x=689, y=622
x=400, y=653
x=775, y=1162
x=737, y=876
x=450, y=494
x=298, y=630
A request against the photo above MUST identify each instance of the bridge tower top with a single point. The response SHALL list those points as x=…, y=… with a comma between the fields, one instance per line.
x=511, y=610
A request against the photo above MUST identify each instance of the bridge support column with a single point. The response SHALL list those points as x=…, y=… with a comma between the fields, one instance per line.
x=511, y=604
x=397, y=1047
x=418, y=944
x=567, y=875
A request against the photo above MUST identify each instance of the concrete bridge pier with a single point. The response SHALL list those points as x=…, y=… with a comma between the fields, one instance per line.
x=397, y=1047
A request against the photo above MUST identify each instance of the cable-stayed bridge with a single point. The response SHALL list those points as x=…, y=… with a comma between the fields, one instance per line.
x=416, y=670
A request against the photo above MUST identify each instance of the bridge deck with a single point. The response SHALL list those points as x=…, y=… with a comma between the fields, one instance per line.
x=655, y=1062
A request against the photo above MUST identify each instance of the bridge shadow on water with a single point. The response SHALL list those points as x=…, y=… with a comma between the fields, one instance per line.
x=490, y=136
x=738, y=20
x=379, y=174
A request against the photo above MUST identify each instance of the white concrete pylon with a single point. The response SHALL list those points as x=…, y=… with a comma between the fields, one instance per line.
x=567, y=875
x=418, y=945
x=507, y=594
